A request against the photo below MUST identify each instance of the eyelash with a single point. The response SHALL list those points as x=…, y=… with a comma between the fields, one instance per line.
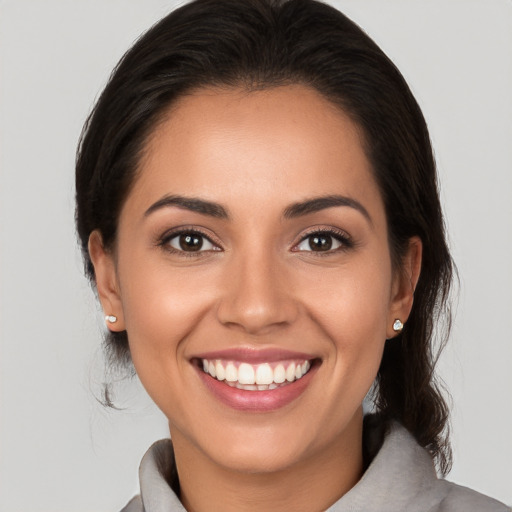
x=164, y=242
x=345, y=241
x=340, y=236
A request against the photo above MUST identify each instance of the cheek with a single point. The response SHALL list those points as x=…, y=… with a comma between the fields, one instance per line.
x=352, y=303
x=352, y=307
x=161, y=307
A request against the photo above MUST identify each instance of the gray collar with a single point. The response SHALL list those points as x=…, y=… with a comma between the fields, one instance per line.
x=400, y=478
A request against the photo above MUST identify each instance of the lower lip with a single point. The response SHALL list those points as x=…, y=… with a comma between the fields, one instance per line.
x=257, y=401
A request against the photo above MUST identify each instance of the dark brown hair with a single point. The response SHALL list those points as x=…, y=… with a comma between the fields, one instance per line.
x=258, y=44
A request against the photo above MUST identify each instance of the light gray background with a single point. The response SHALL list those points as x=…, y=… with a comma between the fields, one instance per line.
x=59, y=449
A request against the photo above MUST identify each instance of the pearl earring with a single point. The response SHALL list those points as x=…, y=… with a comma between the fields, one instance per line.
x=398, y=325
x=111, y=319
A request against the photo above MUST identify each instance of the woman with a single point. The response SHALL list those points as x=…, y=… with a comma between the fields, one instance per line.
x=258, y=210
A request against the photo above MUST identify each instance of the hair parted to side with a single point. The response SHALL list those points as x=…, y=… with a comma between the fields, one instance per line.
x=258, y=44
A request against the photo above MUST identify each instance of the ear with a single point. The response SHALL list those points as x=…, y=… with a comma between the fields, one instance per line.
x=404, y=284
x=106, y=281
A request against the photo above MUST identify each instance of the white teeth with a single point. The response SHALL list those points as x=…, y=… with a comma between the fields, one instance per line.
x=290, y=372
x=231, y=373
x=279, y=374
x=220, y=373
x=245, y=374
x=261, y=377
x=264, y=374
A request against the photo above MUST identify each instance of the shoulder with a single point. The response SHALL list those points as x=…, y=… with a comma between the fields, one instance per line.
x=401, y=477
x=434, y=493
x=456, y=498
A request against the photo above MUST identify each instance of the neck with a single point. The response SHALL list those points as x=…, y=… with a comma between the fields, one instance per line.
x=311, y=484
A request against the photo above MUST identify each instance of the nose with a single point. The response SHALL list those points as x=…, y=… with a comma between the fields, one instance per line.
x=257, y=297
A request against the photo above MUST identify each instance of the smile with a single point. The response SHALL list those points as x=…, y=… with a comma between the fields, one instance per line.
x=256, y=381
x=256, y=377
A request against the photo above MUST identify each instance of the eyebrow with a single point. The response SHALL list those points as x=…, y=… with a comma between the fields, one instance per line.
x=317, y=204
x=295, y=210
x=189, y=203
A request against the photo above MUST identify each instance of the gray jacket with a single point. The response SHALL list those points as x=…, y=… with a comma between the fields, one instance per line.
x=400, y=478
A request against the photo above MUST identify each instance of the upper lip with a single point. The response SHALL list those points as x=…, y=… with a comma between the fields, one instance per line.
x=254, y=356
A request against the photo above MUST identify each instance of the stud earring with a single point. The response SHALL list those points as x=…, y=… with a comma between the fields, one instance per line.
x=111, y=319
x=397, y=325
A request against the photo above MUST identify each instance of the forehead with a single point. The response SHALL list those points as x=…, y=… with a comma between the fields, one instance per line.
x=286, y=143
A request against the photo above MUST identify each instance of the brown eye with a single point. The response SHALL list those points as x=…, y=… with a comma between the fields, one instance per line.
x=191, y=242
x=323, y=241
x=320, y=242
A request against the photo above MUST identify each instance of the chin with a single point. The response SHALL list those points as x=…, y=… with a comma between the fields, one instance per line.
x=266, y=448
x=265, y=458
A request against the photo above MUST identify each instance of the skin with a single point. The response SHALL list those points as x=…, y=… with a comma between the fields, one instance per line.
x=258, y=285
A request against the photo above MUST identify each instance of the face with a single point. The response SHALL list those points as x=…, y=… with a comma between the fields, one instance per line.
x=252, y=273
